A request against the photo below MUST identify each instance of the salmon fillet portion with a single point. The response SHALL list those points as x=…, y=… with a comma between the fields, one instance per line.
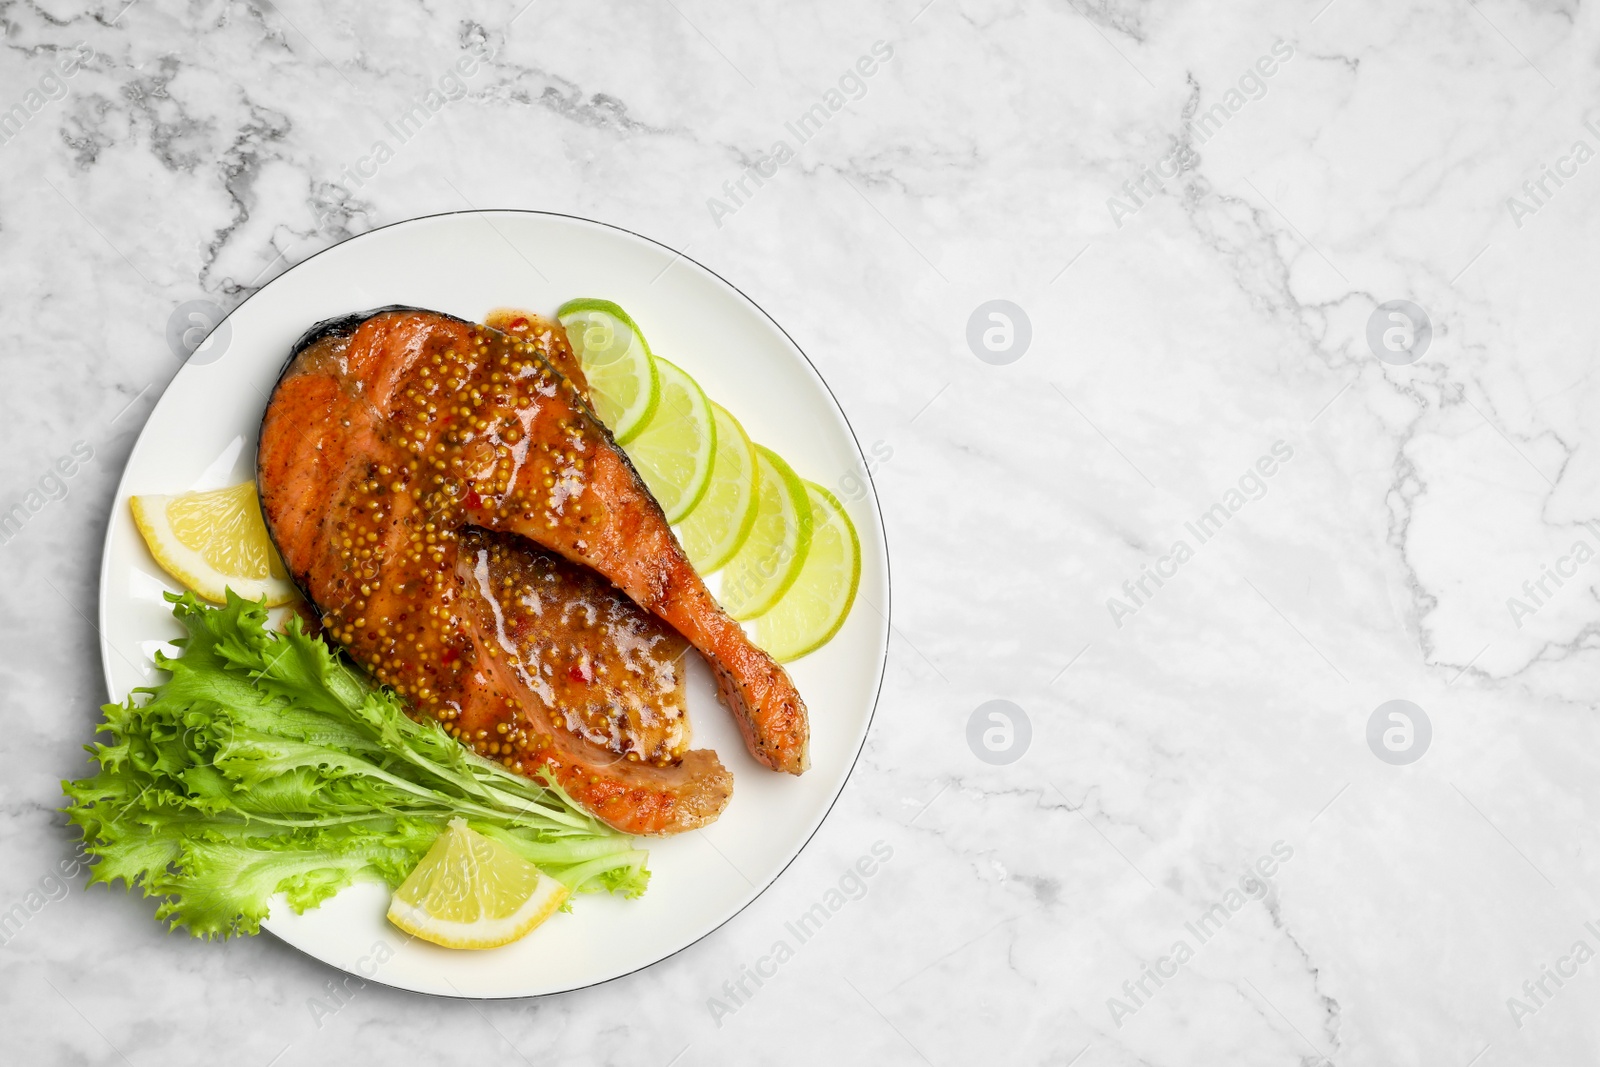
x=568, y=679
x=391, y=442
x=600, y=667
x=548, y=337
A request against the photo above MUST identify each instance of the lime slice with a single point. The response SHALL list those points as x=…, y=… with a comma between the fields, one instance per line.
x=811, y=612
x=674, y=450
x=616, y=359
x=471, y=891
x=770, y=559
x=718, y=525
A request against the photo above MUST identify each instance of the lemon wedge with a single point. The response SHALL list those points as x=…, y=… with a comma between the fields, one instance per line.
x=471, y=891
x=215, y=541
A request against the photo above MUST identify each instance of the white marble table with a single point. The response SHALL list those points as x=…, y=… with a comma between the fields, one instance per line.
x=1199, y=209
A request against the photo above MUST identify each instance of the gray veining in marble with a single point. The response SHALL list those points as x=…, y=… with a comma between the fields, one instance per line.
x=1198, y=246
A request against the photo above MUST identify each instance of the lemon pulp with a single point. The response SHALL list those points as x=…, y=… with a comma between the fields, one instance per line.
x=214, y=540
x=471, y=891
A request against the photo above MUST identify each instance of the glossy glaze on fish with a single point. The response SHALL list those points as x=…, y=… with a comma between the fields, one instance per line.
x=600, y=667
x=389, y=438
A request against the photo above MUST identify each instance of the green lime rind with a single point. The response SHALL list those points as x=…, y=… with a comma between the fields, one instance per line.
x=675, y=450
x=719, y=524
x=771, y=558
x=624, y=387
x=594, y=303
x=817, y=604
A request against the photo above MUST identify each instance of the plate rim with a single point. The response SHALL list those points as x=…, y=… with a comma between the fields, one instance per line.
x=883, y=537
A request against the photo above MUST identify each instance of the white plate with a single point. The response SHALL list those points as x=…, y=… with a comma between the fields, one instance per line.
x=202, y=434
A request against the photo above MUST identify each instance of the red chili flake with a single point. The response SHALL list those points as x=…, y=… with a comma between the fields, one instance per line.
x=581, y=672
x=473, y=500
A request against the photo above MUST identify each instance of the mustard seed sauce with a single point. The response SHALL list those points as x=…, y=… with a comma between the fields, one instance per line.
x=464, y=435
x=548, y=336
x=472, y=536
x=611, y=673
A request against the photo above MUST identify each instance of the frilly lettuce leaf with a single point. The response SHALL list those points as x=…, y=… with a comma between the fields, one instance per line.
x=266, y=764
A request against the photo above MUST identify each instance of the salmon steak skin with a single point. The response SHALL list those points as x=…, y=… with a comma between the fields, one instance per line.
x=394, y=443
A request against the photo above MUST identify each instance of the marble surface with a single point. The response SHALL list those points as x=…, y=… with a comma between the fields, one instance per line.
x=1195, y=856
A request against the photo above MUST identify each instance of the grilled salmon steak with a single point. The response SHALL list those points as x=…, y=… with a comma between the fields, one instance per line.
x=469, y=531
